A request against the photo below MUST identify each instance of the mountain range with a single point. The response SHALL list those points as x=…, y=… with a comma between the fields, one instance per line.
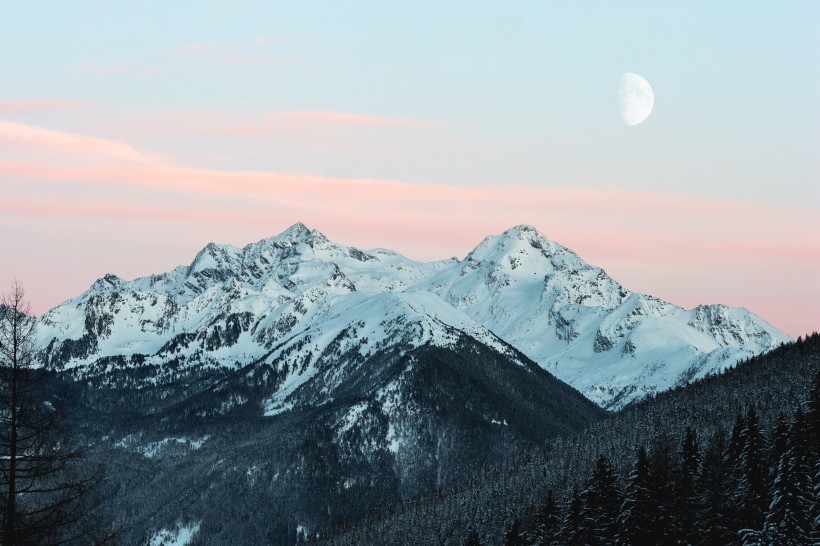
x=298, y=301
x=261, y=393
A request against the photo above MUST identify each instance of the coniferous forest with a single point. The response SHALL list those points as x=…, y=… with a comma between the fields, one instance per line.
x=730, y=459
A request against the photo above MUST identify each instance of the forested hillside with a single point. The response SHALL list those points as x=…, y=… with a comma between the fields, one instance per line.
x=199, y=452
x=730, y=459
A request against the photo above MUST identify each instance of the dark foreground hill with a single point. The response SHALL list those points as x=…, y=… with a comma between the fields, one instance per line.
x=734, y=438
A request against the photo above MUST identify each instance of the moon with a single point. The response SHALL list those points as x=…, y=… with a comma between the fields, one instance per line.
x=636, y=98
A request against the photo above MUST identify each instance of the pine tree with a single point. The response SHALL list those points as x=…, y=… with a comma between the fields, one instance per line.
x=815, y=506
x=472, y=539
x=714, y=501
x=661, y=490
x=780, y=439
x=601, y=504
x=813, y=411
x=635, y=524
x=787, y=520
x=813, y=443
x=750, y=496
x=685, y=505
x=572, y=526
x=546, y=523
x=513, y=535
x=47, y=497
x=736, y=442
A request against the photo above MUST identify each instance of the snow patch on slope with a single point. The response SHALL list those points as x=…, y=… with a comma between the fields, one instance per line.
x=182, y=535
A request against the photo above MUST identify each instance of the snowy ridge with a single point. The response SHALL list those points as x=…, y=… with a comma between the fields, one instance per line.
x=297, y=301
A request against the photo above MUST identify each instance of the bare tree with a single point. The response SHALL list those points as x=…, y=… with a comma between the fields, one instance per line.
x=45, y=489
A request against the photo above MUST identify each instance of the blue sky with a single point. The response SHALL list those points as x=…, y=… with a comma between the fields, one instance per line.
x=482, y=96
x=735, y=82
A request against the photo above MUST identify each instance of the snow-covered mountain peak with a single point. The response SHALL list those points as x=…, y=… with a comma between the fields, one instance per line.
x=106, y=284
x=295, y=232
x=215, y=257
x=520, y=288
x=295, y=244
x=729, y=327
x=524, y=246
x=296, y=235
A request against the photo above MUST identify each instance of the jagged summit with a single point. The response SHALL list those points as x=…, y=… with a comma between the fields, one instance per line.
x=295, y=231
x=296, y=234
x=522, y=241
x=232, y=306
x=106, y=282
x=214, y=257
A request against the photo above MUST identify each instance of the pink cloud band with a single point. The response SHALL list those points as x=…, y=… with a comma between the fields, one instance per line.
x=28, y=106
x=323, y=116
x=633, y=230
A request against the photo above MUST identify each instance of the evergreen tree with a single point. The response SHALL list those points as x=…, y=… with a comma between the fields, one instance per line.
x=750, y=497
x=780, y=440
x=546, y=523
x=803, y=462
x=685, y=505
x=635, y=524
x=714, y=501
x=813, y=444
x=601, y=504
x=47, y=494
x=572, y=526
x=787, y=521
x=472, y=539
x=736, y=442
x=513, y=535
x=815, y=507
x=661, y=490
x=813, y=439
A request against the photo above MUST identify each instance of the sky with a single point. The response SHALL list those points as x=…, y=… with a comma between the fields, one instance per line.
x=134, y=133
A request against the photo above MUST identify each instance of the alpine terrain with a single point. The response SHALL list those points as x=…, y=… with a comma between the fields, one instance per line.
x=298, y=301
x=260, y=394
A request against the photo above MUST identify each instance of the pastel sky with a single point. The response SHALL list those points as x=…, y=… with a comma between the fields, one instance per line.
x=133, y=133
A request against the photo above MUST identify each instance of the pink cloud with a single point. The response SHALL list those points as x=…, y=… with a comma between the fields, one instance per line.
x=265, y=40
x=234, y=53
x=21, y=134
x=200, y=48
x=126, y=69
x=28, y=106
x=325, y=116
x=643, y=239
x=306, y=123
x=257, y=59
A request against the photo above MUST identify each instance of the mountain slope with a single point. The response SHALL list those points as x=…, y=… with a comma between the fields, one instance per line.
x=249, y=459
x=613, y=345
x=289, y=296
x=777, y=385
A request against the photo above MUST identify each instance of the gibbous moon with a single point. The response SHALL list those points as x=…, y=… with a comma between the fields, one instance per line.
x=636, y=98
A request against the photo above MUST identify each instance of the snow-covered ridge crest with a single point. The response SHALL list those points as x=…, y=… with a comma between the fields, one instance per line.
x=298, y=297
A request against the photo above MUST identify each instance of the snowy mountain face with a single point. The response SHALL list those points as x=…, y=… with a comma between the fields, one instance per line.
x=298, y=301
x=262, y=392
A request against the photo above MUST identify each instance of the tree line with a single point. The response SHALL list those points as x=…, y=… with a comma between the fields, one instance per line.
x=746, y=487
x=729, y=459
